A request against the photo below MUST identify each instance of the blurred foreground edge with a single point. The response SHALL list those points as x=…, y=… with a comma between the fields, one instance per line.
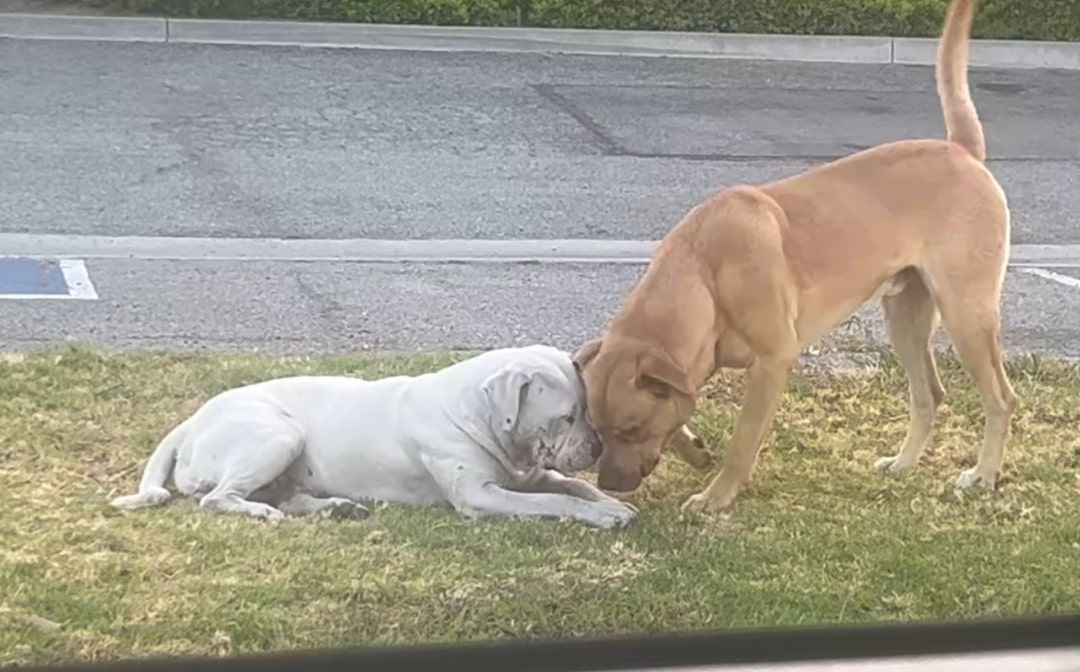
x=717, y=649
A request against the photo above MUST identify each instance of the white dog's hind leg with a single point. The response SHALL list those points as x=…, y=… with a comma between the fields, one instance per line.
x=227, y=501
x=260, y=453
x=302, y=504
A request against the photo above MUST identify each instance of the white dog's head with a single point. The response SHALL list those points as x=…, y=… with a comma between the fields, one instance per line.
x=538, y=405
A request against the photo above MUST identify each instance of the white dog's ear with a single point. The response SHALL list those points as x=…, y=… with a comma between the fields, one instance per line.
x=506, y=390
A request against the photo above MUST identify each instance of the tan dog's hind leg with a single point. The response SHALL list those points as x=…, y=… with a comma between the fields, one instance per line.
x=691, y=448
x=976, y=333
x=969, y=298
x=911, y=317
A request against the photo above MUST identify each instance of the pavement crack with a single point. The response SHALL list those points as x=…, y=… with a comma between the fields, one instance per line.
x=335, y=318
x=602, y=139
x=328, y=308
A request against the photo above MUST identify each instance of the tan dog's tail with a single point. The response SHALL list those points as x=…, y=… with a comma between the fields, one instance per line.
x=152, y=490
x=961, y=119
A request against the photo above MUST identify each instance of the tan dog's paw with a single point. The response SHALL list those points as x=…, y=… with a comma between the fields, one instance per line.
x=893, y=465
x=971, y=479
x=703, y=504
x=692, y=449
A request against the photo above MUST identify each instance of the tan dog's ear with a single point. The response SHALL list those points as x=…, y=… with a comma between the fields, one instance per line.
x=661, y=375
x=586, y=352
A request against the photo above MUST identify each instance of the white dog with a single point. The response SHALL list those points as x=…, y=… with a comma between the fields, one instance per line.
x=487, y=436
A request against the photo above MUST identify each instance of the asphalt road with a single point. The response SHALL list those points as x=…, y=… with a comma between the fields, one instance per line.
x=114, y=139
x=297, y=308
x=178, y=140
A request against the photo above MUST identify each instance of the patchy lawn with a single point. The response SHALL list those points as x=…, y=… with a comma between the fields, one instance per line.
x=818, y=537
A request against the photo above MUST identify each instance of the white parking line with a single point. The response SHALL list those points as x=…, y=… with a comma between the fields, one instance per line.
x=77, y=279
x=1067, y=280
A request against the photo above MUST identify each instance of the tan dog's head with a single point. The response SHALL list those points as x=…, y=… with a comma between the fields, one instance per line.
x=637, y=398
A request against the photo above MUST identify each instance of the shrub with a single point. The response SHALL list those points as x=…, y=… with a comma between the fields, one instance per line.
x=999, y=19
x=423, y=12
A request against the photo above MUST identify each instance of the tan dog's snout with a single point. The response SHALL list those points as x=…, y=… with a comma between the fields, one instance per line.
x=618, y=478
x=623, y=468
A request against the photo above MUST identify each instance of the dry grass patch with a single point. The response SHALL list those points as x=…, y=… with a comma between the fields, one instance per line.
x=816, y=538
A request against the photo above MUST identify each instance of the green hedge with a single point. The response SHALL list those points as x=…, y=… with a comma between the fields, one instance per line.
x=1001, y=19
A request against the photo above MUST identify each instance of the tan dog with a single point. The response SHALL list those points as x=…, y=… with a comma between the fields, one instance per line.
x=752, y=276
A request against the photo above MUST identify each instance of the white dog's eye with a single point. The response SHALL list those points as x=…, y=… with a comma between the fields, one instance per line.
x=569, y=418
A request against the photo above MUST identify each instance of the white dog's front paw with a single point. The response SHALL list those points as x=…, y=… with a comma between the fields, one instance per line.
x=971, y=478
x=604, y=497
x=346, y=509
x=267, y=513
x=613, y=514
x=893, y=465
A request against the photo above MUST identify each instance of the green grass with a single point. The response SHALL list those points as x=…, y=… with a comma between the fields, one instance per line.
x=817, y=538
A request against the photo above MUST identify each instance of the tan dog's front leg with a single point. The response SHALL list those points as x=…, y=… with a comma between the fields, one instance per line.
x=691, y=448
x=764, y=389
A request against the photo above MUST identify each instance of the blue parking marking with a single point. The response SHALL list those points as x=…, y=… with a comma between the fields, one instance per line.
x=40, y=277
x=33, y=278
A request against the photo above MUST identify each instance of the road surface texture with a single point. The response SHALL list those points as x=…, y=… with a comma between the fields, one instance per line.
x=111, y=140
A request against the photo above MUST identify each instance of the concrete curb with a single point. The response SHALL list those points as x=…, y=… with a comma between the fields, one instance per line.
x=96, y=28
x=844, y=49
x=425, y=250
